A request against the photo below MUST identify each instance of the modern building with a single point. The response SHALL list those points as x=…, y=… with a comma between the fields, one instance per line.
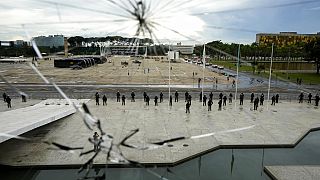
x=50, y=41
x=183, y=49
x=17, y=43
x=284, y=38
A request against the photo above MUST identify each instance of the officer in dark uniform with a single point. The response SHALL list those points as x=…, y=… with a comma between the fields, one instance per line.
x=261, y=99
x=97, y=98
x=211, y=96
x=273, y=100
x=186, y=95
x=156, y=100
x=220, y=96
x=4, y=95
x=317, y=100
x=123, y=100
x=161, y=97
x=309, y=98
x=230, y=98
x=118, y=96
x=104, y=100
x=241, y=98
x=301, y=98
x=147, y=100
x=144, y=96
x=252, y=97
x=176, y=96
x=277, y=98
x=224, y=100
x=188, y=107
x=220, y=104
x=8, y=99
x=132, y=97
x=204, y=100
x=210, y=102
x=189, y=99
x=255, y=104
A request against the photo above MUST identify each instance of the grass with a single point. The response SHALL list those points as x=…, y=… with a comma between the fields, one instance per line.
x=233, y=66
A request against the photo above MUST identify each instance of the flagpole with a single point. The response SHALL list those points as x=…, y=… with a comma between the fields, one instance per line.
x=204, y=66
x=169, y=71
x=270, y=77
x=237, y=78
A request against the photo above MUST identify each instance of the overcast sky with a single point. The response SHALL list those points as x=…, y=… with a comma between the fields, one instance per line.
x=203, y=20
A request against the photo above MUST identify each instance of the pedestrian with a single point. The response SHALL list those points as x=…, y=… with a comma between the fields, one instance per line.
x=189, y=99
x=95, y=141
x=309, y=98
x=156, y=100
x=220, y=96
x=252, y=97
x=144, y=96
x=199, y=81
x=204, y=100
x=133, y=97
x=317, y=100
x=261, y=99
x=273, y=100
x=147, y=100
x=8, y=99
x=277, y=98
x=104, y=100
x=301, y=98
x=176, y=96
x=256, y=103
x=224, y=100
x=200, y=97
x=186, y=95
x=118, y=96
x=233, y=83
x=220, y=104
x=211, y=96
x=23, y=97
x=97, y=98
x=170, y=100
x=161, y=97
x=123, y=100
x=188, y=107
x=241, y=98
x=230, y=98
x=4, y=95
x=210, y=102
x=216, y=81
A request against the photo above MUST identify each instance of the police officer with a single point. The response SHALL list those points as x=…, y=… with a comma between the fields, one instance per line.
x=4, y=95
x=132, y=97
x=161, y=97
x=309, y=98
x=123, y=100
x=186, y=95
x=252, y=97
x=230, y=98
x=277, y=98
x=220, y=104
x=97, y=98
x=224, y=100
x=8, y=99
x=273, y=100
x=156, y=100
x=189, y=99
x=144, y=96
x=176, y=96
x=118, y=96
x=204, y=100
x=104, y=100
x=317, y=100
x=211, y=96
x=301, y=98
x=188, y=107
x=147, y=100
x=256, y=103
x=210, y=102
x=220, y=96
x=170, y=100
x=261, y=99
x=241, y=98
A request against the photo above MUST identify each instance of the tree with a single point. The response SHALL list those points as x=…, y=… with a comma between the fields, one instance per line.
x=313, y=52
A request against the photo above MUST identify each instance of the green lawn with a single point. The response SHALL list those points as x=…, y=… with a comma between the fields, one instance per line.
x=233, y=66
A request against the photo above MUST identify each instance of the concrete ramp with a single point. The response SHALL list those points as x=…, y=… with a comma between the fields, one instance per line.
x=19, y=121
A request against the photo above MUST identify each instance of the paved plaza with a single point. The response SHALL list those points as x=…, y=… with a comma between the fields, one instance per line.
x=293, y=172
x=282, y=125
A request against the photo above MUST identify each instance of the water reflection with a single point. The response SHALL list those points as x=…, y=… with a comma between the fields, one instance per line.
x=221, y=164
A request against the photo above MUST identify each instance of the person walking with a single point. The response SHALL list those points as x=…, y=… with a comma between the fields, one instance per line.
x=133, y=97
x=176, y=96
x=161, y=97
x=204, y=100
x=210, y=102
x=230, y=98
x=220, y=104
x=261, y=99
x=8, y=99
x=123, y=100
x=144, y=96
x=186, y=95
x=189, y=99
x=277, y=98
x=224, y=100
x=118, y=96
x=317, y=100
x=4, y=95
x=97, y=98
x=273, y=100
x=301, y=98
x=147, y=100
x=241, y=98
x=252, y=97
x=256, y=103
x=199, y=82
x=104, y=100
x=188, y=108
x=220, y=96
x=95, y=141
x=211, y=96
x=309, y=98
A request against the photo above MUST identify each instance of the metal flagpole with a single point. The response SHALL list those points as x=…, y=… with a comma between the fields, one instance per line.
x=237, y=78
x=270, y=76
x=204, y=66
x=169, y=71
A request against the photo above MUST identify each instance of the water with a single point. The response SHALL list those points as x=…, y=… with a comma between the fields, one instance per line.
x=245, y=164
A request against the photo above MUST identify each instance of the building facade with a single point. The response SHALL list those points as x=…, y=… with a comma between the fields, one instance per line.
x=284, y=38
x=50, y=41
x=183, y=49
